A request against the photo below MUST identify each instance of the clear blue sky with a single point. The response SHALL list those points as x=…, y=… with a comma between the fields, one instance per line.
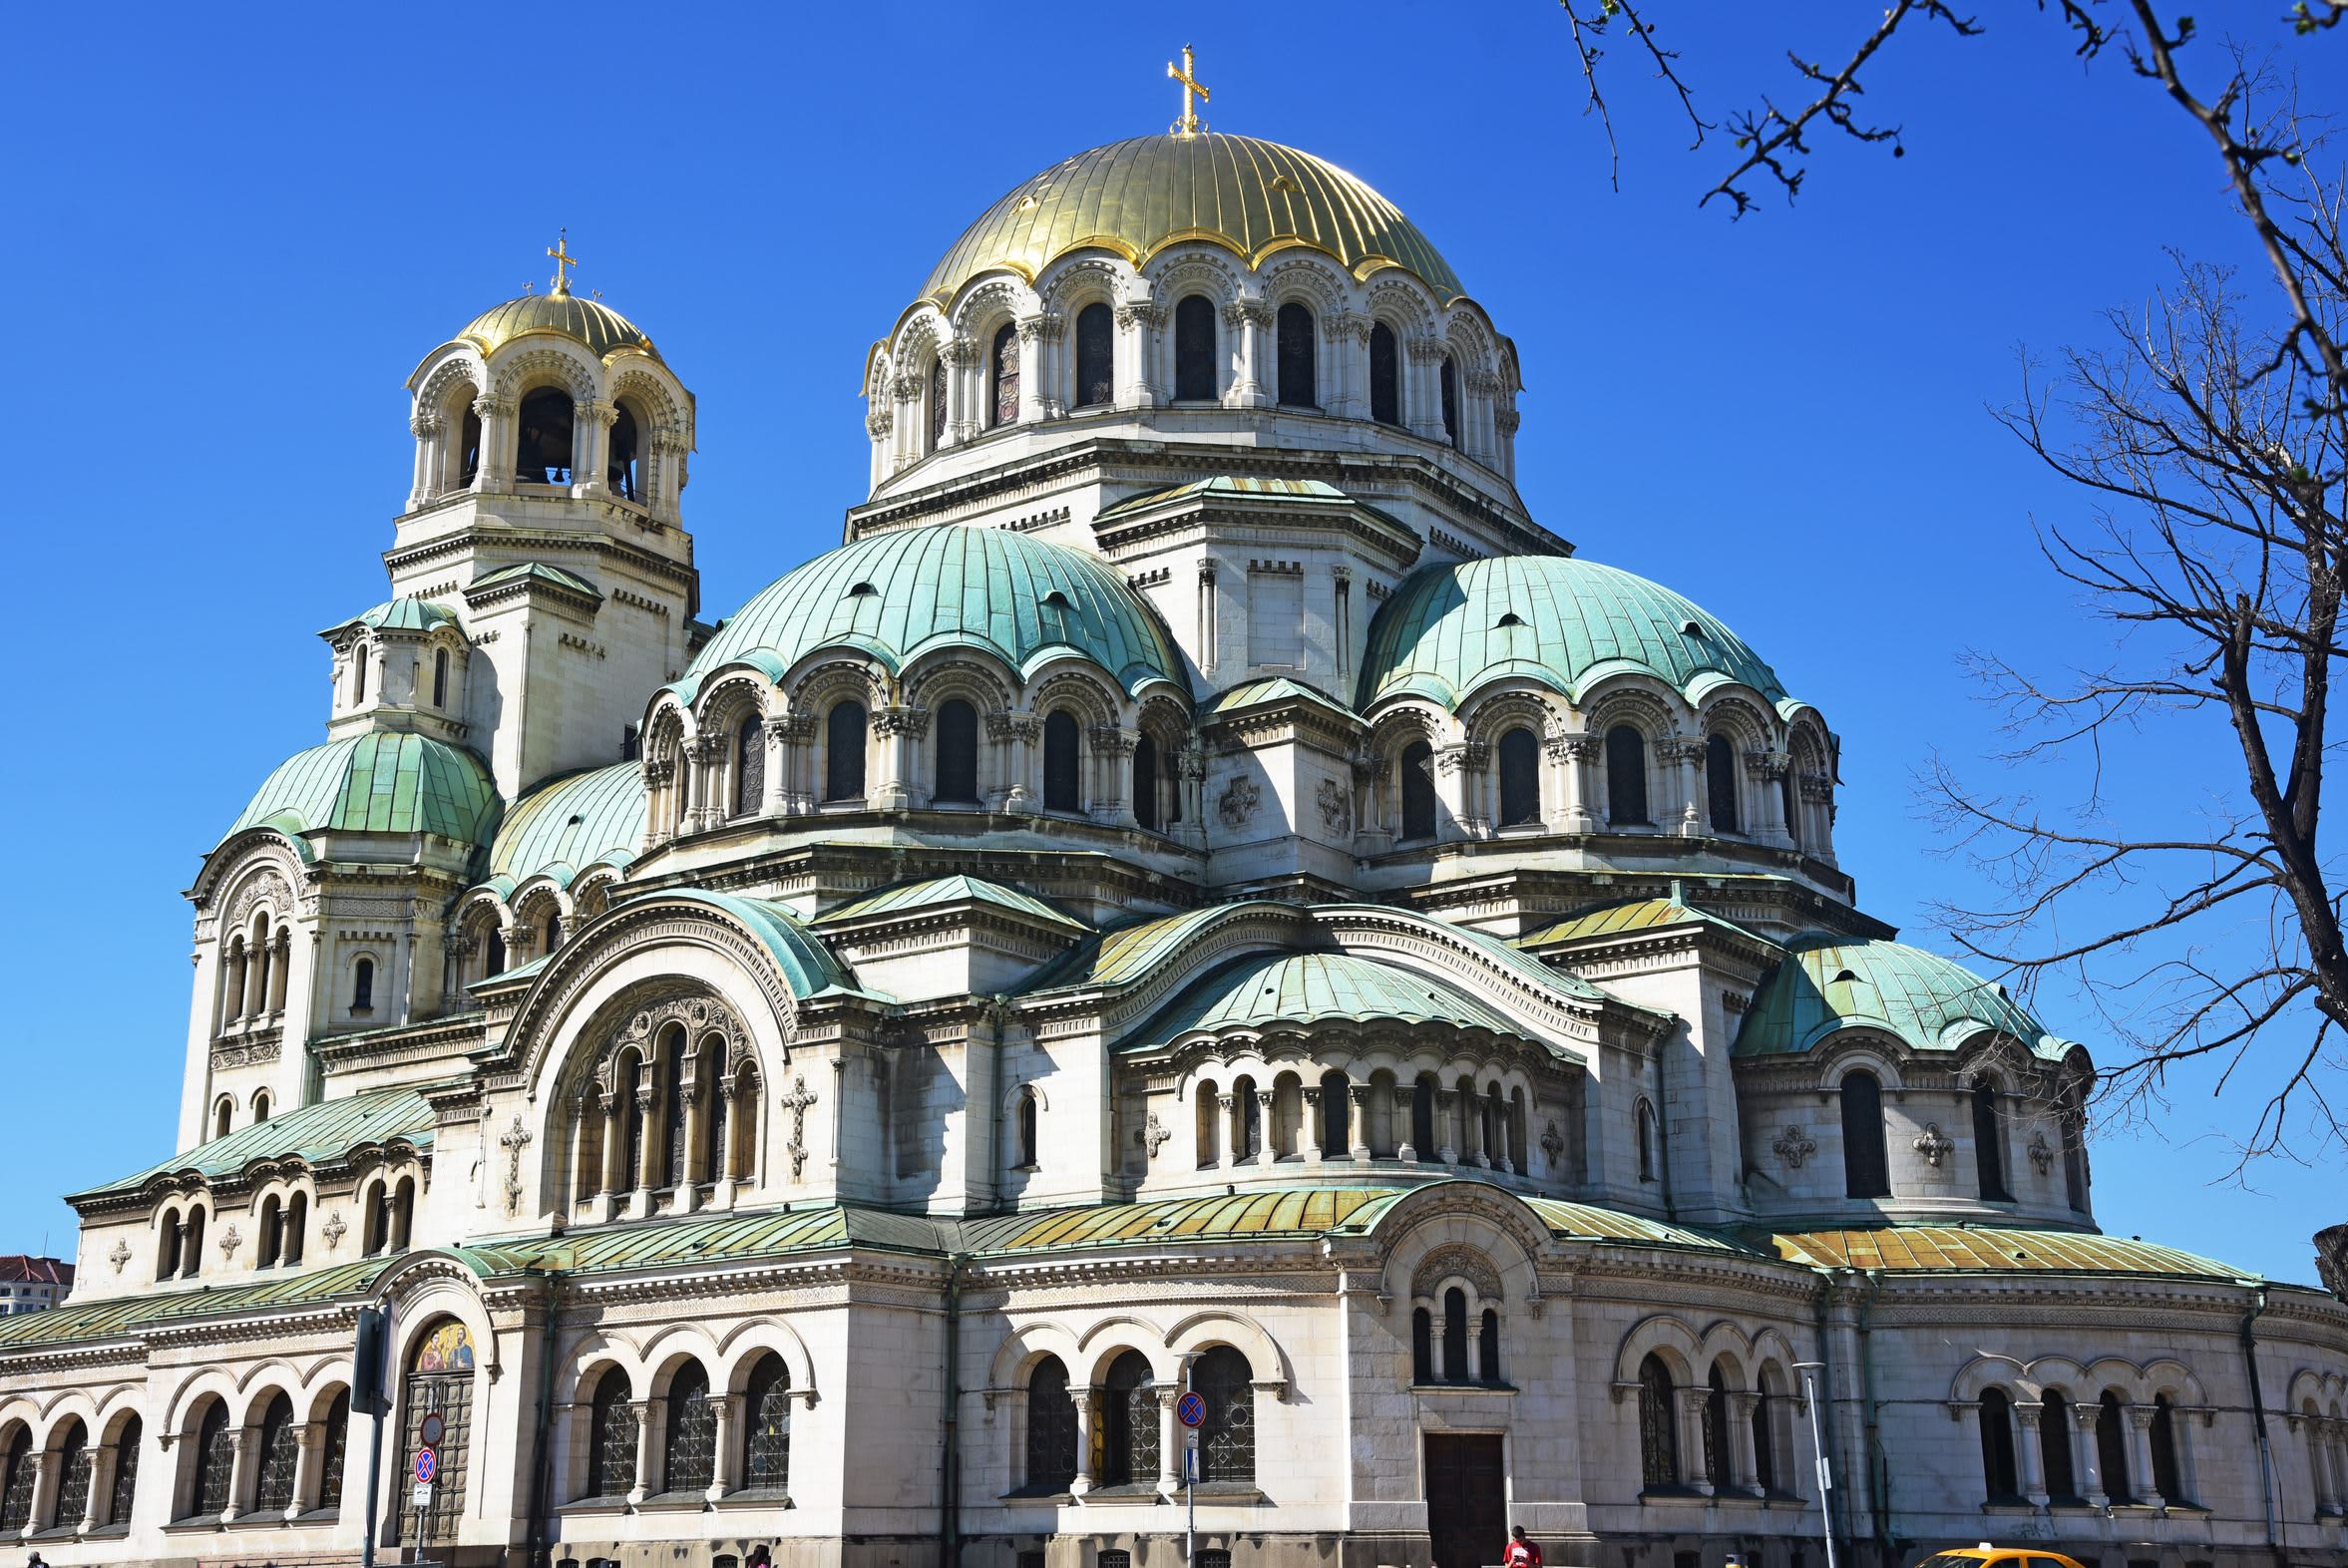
x=232, y=234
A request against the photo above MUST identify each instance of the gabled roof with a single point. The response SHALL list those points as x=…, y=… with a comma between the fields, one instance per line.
x=936, y=891
x=537, y=572
x=1312, y=988
x=1829, y=984
x=316, y=1134
x=1272, y=688
x=1637, y=915
x=377, y=783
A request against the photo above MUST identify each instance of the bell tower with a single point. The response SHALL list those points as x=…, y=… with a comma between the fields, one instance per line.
x=546, y=515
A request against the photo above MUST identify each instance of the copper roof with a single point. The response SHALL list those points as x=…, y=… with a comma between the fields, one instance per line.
x=1904, y=1248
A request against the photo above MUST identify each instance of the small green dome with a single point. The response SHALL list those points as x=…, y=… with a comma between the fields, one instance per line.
x=398, y=614
x=1312, y=988
x=566, y=824
x=378, y=783
x=1450, y=629
x=1927, y=1001
x=898, y=596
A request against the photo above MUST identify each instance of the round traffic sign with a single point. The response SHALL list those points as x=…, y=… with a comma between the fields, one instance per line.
x=426, y=1462
x=433, y=1427
x=1191, y=1410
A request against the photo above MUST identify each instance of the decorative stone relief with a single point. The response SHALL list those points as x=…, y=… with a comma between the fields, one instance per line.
x=1933, y=1144
x=1795, y=1145
x=1239, y=801
x=1336, y=808
x=1152, y=1136
x=2042, y=1153
x=797, y=1101
x=119, y=1256
x=514, y=1140
x=334, y=1228
x=1456, y=1262
x=229, y=1241
x=1553, y=1144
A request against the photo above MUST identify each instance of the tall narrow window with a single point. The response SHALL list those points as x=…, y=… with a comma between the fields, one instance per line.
x=1488, y=1348
x=260, y=1106
x=272, y=1237
x=1646, y=1127
x=1626, y=777
x=192, y=1258
x=1051, y=1427
x=1659, y=1438
x=1227, y=1440
x=542, y=438
x=1447, y=384
x=440, y=677
x=362, y=986
x=750, y=767
x=957, y=781
x=469, y=444
x=1247, y=1133
x=73, y=1477
x=1989, y=1141
x=717, y=1111
x=937, y=404
x=619, y=467
x=1293, y=327
x=1720, y=784
x=1061, y=762
x=766, y=1425
x=15, y=1487
x=692, y=1431
x=2111, y=1448
x=1997, y=1445
x=278, y=1445
x=1337, y=1115
x=1193, y=350
x=1096, y=357
x=1866, y=1169
x=127, y=1443
x=1422, y=1119
x=335, y=1452
x=1129, y=1423
x=2071, y=1120
x=359, y=676
x=1765, y=1445
x=1385, y=375
x=1418, y=768
x=1715, y=1427
x=675, y=1102
x=844, y=752
x=1456, y=1335
x=215, y=1462
x=1145, y=783
x=2167, y=1478
x=1002, y=363
x=1423, y=1346
x=298, y=1223
x=612, y=1443
x=1029, y=1144
x=1520, y=778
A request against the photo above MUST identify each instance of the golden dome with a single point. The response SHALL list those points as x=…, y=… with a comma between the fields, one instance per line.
x=1137, y=196
x=589, y=321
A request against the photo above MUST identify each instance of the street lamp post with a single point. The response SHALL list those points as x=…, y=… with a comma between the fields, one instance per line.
x=1810, y=1392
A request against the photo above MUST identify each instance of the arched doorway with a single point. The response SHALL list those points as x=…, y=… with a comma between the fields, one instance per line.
x=437, y=1392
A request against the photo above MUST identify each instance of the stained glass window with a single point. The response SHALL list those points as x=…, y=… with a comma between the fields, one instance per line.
x=844, y=752
x=1006, y=362
x=1865, y=1166
x=1227, y=1443
x=957, y=753
x=631, y=1113
x=612, y=1445
x=1418, y=766
x=1060, y=791
x=215, y=1461
x=766, y=1431
x=1520, y=778
x=1385, y=376
x=73, y=1477
x=1129, y=1422
x=1659, y=1440
x=278, y=1448
x=1447, y=385
x=750, y=767
x=1720, y=784
x=1193, y=350
x=125, y=1470
x=1052, y=1425
x=692, y=1431
x=1626, y=776
x=1996, y=1445
x=334, y=1451
x=1096, y=357
x=1293, y=329
x=16, y=1492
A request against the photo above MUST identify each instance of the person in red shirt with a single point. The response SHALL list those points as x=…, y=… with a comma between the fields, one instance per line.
x=1521, y=1553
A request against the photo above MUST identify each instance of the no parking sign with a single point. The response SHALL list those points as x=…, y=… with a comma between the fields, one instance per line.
x=427, y=1464
x=1191, y=1410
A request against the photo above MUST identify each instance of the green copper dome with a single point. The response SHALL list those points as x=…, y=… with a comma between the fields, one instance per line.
x=568, y=824
x=377, y=784
x=1921, y=999
x=901, y=594
x=1312, y=988
x=398, y=614
x=1450, y=629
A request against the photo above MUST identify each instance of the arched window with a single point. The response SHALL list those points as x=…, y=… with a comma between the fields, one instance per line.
x=358, y=674
x=1626, y=777
x=1997, y=1445
x=335, y=1451
x=1423, y=1346
x=73, y=1476
x=1385, y=375
x=542, y=438
x=167, y=1248
x=1988, y=1139
x=1418, y=768
x=1096, y=357
x=554, y=931
x=1194, y=350
x=403, y=1212
x=191, y=1256
x=1422, y=1118
x=956, y=776
x=440, y=677
x=844, y=751
x=1209, y=1120
x=273, y=1226
x=223, y=1114
x=1659, y=1438
x=469, y=444
x=1866, y=1169
x=611, y=1440
x=1145, y=783
x=1129, y=1423
x=937, y=404
x=1029, y=1145
x=1227, y=1441
x=674, y=1102
x=1520, y=778
x=1003, y=365
x=279, y=1446
x=1246, y=1130
x=1051, y=1427
x=362, y=986
x=2054, y=1438
x=750, y=766
x=1293, y=329
x=1647, y=1160
x=2111, y=1448
x=1765, y=1439
x=215, y=1462
x=1447, y=384
x=127, y=1443
x=1715, y=1427
x=692, y=1431
x=2072, y=1123
x=260, y=1106
x=619, y=467
x=716, y=1111
x=2167, y=1477
x=16, y=1488
x=1785, y=806
x=1488, y=1348
x=1720, y=784
x=1337, y=1115
x=766, y=1425
x=1455, y=1335
x=494, y=960
x=1061, y=762
x=297, y=1224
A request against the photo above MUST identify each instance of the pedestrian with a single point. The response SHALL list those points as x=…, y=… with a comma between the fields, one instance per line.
x=759, y=1558
x=1521, y=1553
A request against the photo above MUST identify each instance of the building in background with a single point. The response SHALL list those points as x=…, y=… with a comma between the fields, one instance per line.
x=29, y=1284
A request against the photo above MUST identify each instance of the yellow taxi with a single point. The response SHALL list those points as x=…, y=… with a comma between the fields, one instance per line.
x=1987, y=1556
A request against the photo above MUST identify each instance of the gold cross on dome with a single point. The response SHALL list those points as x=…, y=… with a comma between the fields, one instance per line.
x=1190, y=123
x=561, y=251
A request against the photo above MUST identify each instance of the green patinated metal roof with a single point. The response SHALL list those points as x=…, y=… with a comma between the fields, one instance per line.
x=1616, y=920
x=1919, y=1248
x=901, y=594
x=377, y=783
x=1827, y=984
x=1292, y=1212
x=1306, y=987
x=398, y=614
x=316, y=1134
x=571, y=823
x=539, y=572
x=1447, y=631
x=1304, y=492
x=1585, y=1222
x=908, y=895
x=806, y=962
x=732, y=1238
x=1273, y=688
x=121, y=1317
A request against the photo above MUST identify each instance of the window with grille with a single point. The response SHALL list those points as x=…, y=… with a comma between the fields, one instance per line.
x=215, y=1461
x=1193, y=350
x=937, y=404
x=766, y=1425
x=334, y=1451
x=278, y=1449
x=750, y=767
x=1052, y=1425
x=611, y=1446
x=672, y=1106
x=844, y=730
x=1113, y=1559
x=1095, y=358
x=1217, y=1558
x=1004, y=362
x=1129, y=1423
x=1227, y=1440
x=1715, y=1427
x=957, y=753
x=73, y=1477
x=16, y=1492
x=1659, y=1443
x=1295, y=357
x=125, y=1470
x=1385, y=376
x=692, y=1433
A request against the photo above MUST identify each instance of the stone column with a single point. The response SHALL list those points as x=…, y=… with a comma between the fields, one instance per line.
x=898, y=728
x=688, y=1191
x=1112, y=756
x=1084, y=1398
x=729, y=1413
x=282, y=960
x=647, y=1147
x=47, y=1474
x=102, y=1462
x=1422, y=404
x=2140, y=1456
x=1014, y=737
x=426, y=429
x=309, y=1448
x=1505, y=422
x=1034, y=397
x=775, y=797
x=912, y=421
x=1191, y=830
x=1137, y=337
x=1405, y=1103
x=2087, y=1455
x=1767, y=768
x=1266, y=1152
x=1689, y=1409
x=959, y=355
x=590, y=444
x=1347, y=335
x=1247, y=318
x=241, y=1477
x=1471, y=1130
x=645, y=1484
x=2030, y=1452
x=1743, y=1469
x=496, y=471
x=1169, y=1439
x=1688, y=757
x=1458, y=818
x=877, y=425
x=729, y=1155
x=1359, y=1093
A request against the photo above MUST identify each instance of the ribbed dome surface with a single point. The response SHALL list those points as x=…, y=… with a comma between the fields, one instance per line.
x=399, y=783
x=1312, y=988
x=1450, y=629
x=399, y=614
x=1137, y=196
x=896, y=595
x=571, y=823
x=589, y=321
x=1927, y=1001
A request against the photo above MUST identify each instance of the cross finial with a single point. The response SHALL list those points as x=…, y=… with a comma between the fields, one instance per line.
x=561, y=251
x=1190, y=123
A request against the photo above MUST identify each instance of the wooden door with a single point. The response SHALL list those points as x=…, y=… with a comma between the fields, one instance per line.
x=1466, y=1499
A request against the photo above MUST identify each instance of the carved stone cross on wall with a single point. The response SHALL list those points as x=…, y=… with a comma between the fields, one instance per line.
x=514, y=1140
x=800, y=1097
x=119, y=1256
